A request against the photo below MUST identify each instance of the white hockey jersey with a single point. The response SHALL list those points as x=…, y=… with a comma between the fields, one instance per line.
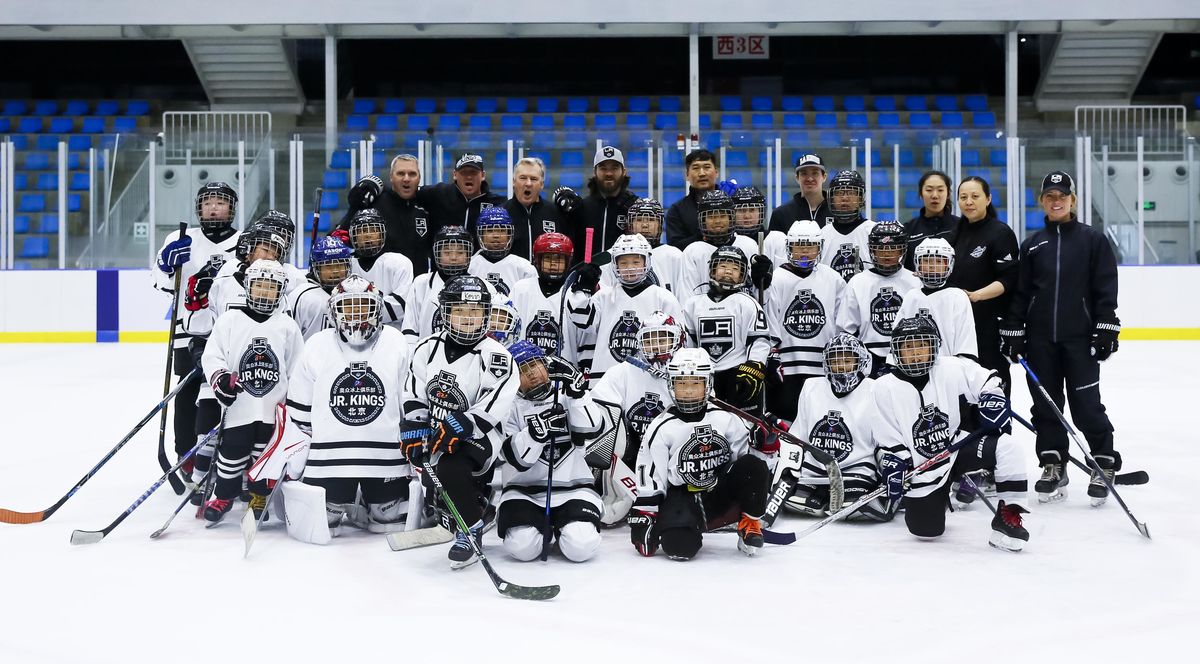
x=775, y=248
x=802, y=315
x=917, y=425
x=870, y=304
x=732, y=330
x=609, y=321
x=950, y=309
x=693, y=454
x=262, y=352
x=352, y=399
x=843, y=427
x=482, y=383
x=666, y=265
x=539, y=320
x=846, y=253
x=203, y=251
x=392, y=274
x=422, y=314
x=502, y=274
x=631, y=399
x=309, y=307
x=694, y=271
x=527, y=461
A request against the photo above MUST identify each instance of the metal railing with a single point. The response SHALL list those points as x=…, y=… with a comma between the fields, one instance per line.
x=213, y=136
x=1163, y=128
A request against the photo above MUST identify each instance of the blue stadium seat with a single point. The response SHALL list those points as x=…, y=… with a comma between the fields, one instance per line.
x=829, y=138
x=475, y=141
x=540, y=154
x=608, y=105
x=449, y=122
x=19, y=141
x=107, y=108
x=378, y=161
x=74, y=202
x=712, y=140
x=793, y=120
x=516, y=105
x=574, y=159
x=797, y=138
x=945, y=102
x=93, y=125
x=1034, y=220
x=62, y=125
x=35, y=247
x=604, y=121
x=879, y=177
x=418, y=122
x=42, y=108
x=906, y=157
x=909, y=177
x=1002, y=215
x=577, y=104
x=669, y=104
x=914, y=103
x=762, y=104
x=486, y=105
x=635, y=158
x=15, y=107
x=363, y=107
x=79, y=182
x=455, y=105
x=666, y=121
x=574, y=121
x=971, y=158
x=638, y=180
x=47, y=142
x=744, y=176
x=330, y=200
x=762, y=121
x=856, y=120
x=741, y=139
x=672, y=158
x=542, y=122
x=335, y=180
x=638, y=138
x=983, y=120
x=547, y=105
x=511, y=122
x=912, y=199
x=325, y=222
x=37, y=161
x=385, y=123
x=424, y=105
x=883, y=199
x=731, y=121
x=20, y=181
x=572, y=179
x=385, y=141
x=32, y=203
x=952, y=120
x=920, y=120
x=637, y=121
x=730, y=103
x=998, y=157
x=48, y=225
x=888, y=119
x=885, y=104
x=854, y=103
x=340, y=159
x=137, y=108
x=5, y=126
x=825, y=120
x=705, y=121
x=546, y=139
x=639, y=104
x=480, y=123
x=358, y=123
x=739, y=158
x=975, y=103
x=394, y=106
x=20, y=224
x=29, y=126
x=792, y=103
x=823, y=103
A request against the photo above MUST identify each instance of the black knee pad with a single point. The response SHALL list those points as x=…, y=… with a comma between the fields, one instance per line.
x=681, y=543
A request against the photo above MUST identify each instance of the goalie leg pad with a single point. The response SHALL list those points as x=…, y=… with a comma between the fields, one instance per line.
x=304, y=505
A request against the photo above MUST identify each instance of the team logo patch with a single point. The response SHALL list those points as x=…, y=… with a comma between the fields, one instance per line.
x=484, y=206
x=931, y=432
x=977, y=252
x=543, y=331
x=258, y=370
x=548, y=226
x=496, y=280
x=422, y=226
x=704, y=454
x=805, y=316
x=357, y=396
x=444, y=395
x=498, y=364
x=846, y=261
x=623, y=341
x=716, y=335
x=641, y=414
x=884, y=307
x=831, y=434
x=435, y=323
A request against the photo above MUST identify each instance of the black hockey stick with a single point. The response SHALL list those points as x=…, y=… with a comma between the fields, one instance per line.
x=1141, y=526
x=93, y=536
x=163, y=462
x=505, y=588
x=1133, y=477
x=316, y=219
x=10, y=516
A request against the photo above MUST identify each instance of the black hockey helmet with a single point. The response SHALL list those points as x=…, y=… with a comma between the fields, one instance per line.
x=451, y=237
x=915, y=343
x=260, y=235
x=281, y=224
x=846, y=183
x=368, y=233
x=728, y=255
x=470, y=290
x=644, y=216
x=749, y=210
x=714, y=213
x=887, y=243
x=218, y=192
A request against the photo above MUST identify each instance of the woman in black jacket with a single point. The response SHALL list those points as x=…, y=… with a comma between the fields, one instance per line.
x=935, y=218
x=985, y=266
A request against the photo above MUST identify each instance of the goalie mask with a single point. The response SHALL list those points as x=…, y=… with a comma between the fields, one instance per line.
x=356, y=309
x=915, y=343
x=805, y=244
x=330, y=262
x=846, y=362
x=531, y=368
x=749, y=211
x=216, y=205
x=465, y=304
x=659, y=338
x=552, y=254
x=631, y=259
x=846, y=193
x=690, y=379
x=266, y=282
x=368, y=233
x=452, y=251
x=887, y=243
x=645, y=218
x=504, y=323
x=934, y=261
x=494, y=230
x=715, y=217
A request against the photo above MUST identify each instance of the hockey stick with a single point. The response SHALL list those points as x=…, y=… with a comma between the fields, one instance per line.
x=163, y=462
x=413, y=539
x=93, y=536
x=316, y=218
x=10, y=516
x=505, y=588
x=251, y=524
x=1133, y=477
x=184, y=503
x=966, y=477
x=1141, y=526
x=925, y=465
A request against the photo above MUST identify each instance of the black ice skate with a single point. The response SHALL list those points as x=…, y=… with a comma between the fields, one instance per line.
x=215, y=510
x=1097, y=489
x=750, y=537
x=1007, y=531
x=461, y=553
x=1051, y=487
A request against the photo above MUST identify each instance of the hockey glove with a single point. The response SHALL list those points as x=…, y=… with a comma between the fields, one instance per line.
x=364, y=192
x=760, y=272
x=993, y=412
x=343, y=235
x=1012, y=341
x=587, y=279
x=566, y=199
x=891, y=469
x=748, y=382
x=451, y=432
x=176, y=253
x=225, y=387
x=412, y=441
x=642, y=532
x=200, y=284
x=571, y=378
x=550, y=421
x=728, y=187
x=1104, y=339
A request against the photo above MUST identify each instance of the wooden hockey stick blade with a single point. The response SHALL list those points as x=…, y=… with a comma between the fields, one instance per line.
x=415, y=539
x=9, y=516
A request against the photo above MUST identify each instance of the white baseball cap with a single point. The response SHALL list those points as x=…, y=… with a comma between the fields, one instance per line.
x=608, y=153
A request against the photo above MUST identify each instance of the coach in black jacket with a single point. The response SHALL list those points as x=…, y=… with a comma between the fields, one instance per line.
x=458, y=203
x=407, y=223
x=1063, y=319
x=531, y=214
x=808, y=203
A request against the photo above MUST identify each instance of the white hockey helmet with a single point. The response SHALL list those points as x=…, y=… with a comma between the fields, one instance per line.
x=934, y=261
x=356, y=309
x=504, y=323
x=686, y=365
x=805, y=234
x=266, y=283
x=631, y=244
x=659, y=338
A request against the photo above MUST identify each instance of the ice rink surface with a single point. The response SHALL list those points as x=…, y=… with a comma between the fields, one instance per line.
x=1087, y=587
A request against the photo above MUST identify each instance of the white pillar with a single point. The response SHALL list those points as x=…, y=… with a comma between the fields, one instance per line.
x=1010, y=83
x=1141, y=200
x=694, y=79
x=150, y=213
x=330, y=97
x=62, y=203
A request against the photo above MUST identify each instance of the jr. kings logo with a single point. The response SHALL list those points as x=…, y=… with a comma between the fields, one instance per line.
x=884, y=307
x=258, y=370
x=704, y=455
x=543, y=332
x=357, y=395
x=931, y=432
x=444, y=395
x=805, y=316
x=643, y=412
x=623, y=341
x=831, y=434
x=846, y=261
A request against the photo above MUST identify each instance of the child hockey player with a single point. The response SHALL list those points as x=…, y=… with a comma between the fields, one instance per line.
x=873, y=298
x=949, y=308
x=544, y=429
x=504, y=323
x=451, y=256
x=749, y=212
x=700, y=472
x=494, y=262
x=391, y=272
x=249, y=356
x=329, y=264
x=645, y=218
x=537, y=301
x=846, y=238
x=715, y=218
x=919, y=417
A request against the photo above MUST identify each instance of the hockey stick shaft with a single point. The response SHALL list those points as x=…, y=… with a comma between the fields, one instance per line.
x=966, y=477
x=1133, y=477
x=316, y=218
x=163, y=462
x=182, y=504
x=9, y=516
x=1141, y=526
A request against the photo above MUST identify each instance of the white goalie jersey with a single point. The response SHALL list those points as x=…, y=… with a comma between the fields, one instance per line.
x=692, y=454
x=802, y=314
x=843, y=427
x=732, y=330
x=608, y=322
x=262, y=353
x=527, y=459
x=503, y=274
x=351, y=401
x=870, y=305
x=950, y=311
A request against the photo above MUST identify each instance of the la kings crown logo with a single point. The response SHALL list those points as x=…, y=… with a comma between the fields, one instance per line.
x=496, y=280
x=543, y=331
x=444, y=396
x=805, y=316
x=716, y=335
x=884, y=307
x=357, y=396
x=831, y=434
x=931, y=432
x=623, y=341
x=704, y=454
x=258, y=371
x=846, y=260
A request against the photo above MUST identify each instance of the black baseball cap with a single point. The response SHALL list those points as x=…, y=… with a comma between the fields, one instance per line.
x=810, y=160
x=469, y=161
x=1058, y=181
